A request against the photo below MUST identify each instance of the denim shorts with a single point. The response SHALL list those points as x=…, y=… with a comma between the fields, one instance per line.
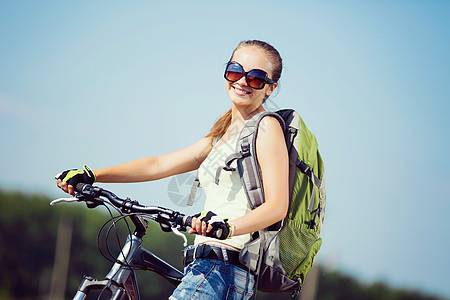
x=206, y=278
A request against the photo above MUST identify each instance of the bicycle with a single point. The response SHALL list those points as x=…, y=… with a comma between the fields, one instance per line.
x=121, y=280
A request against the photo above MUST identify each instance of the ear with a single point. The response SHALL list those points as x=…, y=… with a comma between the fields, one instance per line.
x=271, y=88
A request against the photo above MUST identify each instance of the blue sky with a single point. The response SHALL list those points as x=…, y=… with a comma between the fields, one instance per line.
x=104, y=82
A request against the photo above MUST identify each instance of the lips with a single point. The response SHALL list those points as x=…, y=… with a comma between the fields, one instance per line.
x=240, y=91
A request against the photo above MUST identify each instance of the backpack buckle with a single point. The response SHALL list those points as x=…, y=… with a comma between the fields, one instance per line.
x=304, y=168
x=293, y=131
x=245, y=149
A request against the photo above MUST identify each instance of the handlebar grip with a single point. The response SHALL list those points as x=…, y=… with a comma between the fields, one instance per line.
x=187, y=221
x=80, y=186
x=215, y=233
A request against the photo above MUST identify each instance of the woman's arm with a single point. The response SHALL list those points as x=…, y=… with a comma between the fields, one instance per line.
x=157, y=167
x=152, y=167
x=274, y=163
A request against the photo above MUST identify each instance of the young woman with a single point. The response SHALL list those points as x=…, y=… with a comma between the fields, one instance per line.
x=212, y=268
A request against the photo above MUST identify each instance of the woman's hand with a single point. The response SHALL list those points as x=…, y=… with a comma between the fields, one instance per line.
x=209, y=224
x=199, y=227
x=68, y=180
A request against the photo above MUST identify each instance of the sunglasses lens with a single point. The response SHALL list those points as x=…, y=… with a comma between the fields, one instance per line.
x=256, y=79
x=234, y=72
x=233, y=76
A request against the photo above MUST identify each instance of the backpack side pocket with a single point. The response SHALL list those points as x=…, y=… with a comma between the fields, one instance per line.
x=298, y=248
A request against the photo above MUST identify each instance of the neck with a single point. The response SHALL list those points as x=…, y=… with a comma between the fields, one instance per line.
x=241, y=115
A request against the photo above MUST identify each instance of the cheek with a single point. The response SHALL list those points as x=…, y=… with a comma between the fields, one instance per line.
x=227, y=86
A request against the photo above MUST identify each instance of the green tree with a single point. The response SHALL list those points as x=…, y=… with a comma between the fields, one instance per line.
x=28, y=232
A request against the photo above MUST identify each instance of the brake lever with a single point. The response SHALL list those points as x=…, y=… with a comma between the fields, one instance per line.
x=177, y=232
x=64, y=200
x=89, y=203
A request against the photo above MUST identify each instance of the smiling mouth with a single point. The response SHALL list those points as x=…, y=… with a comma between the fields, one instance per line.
x=240, y=91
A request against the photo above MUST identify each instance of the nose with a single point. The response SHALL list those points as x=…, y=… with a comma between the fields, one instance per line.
x=242, y=81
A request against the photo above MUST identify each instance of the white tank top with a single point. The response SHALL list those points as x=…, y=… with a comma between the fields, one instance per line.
x=227, y=199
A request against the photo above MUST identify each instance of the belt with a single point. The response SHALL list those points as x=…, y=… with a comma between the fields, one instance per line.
x=213, y=252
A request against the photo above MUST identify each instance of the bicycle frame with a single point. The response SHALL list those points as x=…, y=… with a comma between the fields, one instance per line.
x=121, y=279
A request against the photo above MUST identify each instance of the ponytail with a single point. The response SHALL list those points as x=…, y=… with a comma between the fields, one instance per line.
x=221, y=126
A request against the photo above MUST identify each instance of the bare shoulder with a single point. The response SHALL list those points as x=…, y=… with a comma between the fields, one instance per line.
x=270, y=128
x=270, y=143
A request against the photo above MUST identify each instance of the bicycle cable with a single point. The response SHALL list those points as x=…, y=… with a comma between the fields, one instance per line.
x=113, y=219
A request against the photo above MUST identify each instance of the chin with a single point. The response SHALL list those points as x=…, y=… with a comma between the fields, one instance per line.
x=240, y=101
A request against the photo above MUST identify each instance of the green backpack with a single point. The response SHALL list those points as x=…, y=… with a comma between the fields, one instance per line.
x=283, y=253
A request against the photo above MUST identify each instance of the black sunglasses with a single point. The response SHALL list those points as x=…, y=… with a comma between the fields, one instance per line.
x=255, y=78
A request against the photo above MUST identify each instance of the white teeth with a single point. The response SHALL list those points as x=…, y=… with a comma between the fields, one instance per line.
x=241, y=91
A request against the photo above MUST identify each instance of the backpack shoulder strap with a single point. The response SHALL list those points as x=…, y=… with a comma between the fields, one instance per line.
x=247, y=163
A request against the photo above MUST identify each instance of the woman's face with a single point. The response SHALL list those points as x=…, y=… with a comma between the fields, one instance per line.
x=240, y=93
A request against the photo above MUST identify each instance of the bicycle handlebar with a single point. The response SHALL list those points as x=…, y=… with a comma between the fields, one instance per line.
x=91, y=195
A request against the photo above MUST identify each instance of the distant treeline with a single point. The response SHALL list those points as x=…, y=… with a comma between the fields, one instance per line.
x=28, y=237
